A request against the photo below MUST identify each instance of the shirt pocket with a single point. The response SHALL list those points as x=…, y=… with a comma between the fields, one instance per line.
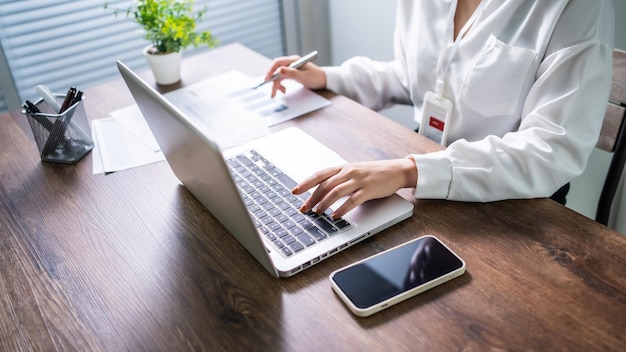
x=495, y=83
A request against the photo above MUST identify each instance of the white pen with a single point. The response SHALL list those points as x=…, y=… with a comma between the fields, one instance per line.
x=303, y=60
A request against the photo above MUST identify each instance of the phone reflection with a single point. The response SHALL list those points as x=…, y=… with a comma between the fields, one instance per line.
x=429, y=261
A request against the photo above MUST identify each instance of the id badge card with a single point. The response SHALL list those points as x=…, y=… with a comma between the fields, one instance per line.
x=436, y=117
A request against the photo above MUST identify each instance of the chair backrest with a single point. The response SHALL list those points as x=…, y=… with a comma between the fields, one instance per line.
x=613, y=136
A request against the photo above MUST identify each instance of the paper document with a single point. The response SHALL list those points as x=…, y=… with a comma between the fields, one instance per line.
x=225, y=107
x=131, y=118
x=96, y=156
x=119, y=148
x=232, y=111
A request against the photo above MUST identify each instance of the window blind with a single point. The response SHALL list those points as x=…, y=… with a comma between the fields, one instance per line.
x=75, y=43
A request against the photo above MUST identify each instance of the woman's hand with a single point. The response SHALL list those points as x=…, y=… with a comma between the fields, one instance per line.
x=359, y=181
x=309, y=74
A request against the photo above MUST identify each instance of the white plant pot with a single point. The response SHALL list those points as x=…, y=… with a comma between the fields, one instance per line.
x=165, y=67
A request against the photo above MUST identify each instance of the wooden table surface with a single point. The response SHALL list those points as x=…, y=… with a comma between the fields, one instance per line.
x=131, y=261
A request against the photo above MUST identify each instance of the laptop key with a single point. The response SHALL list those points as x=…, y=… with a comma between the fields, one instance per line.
x=273, y=226
x=341, y=223
x=330, y=229
x=287, y=181
x=233, y=163
x=286, y=251
x=312, y=214
x=316, y=232
x=289, y=224
x=291, y=212
x=296, y=231
x=290, y=198
x=277, y=200
x=266, y=220
x=244, y=160
x=297, y=217
x=288, y=239
x=306, y=224
x=274, y=212
x=254, y=168
x=260, y=214
x=306, y=239
x=296, y=246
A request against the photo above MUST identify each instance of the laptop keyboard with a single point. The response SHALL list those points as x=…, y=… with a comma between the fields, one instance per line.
x=266, y=191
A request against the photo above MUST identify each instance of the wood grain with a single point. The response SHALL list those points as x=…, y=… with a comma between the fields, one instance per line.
x=131, y=261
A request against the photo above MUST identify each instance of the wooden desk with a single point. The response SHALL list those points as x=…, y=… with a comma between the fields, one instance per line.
x=131, y=261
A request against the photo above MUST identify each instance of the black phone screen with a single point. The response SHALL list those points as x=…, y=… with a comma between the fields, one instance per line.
x=396, y=271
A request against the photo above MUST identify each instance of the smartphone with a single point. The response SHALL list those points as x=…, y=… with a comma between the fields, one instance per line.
x=392, y=276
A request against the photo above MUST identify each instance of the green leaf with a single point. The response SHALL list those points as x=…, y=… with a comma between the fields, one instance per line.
x=170, y=25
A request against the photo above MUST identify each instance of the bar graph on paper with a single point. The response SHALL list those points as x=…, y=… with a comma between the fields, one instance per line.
x=232, y=111
x=258, y=101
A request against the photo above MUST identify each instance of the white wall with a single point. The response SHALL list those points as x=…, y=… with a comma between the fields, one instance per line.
x=366, y=28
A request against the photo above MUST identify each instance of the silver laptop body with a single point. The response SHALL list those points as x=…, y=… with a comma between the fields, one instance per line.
x=201, y=166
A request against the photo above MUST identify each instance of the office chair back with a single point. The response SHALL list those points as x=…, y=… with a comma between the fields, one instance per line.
x=613, y=136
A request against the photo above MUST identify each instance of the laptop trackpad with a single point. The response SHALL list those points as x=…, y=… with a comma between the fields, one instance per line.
x=296, y=153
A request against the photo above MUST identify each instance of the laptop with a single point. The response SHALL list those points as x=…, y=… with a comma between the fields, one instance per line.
x=247, y=188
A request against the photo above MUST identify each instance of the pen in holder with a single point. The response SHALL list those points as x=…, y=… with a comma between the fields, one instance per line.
x=61, y=136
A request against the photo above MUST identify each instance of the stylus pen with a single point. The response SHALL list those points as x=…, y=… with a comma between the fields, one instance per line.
x=303, y=60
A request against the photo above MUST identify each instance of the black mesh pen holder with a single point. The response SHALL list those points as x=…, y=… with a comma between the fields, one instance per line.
x=61, y=137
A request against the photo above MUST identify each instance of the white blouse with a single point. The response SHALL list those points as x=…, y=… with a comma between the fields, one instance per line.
x=529, y=83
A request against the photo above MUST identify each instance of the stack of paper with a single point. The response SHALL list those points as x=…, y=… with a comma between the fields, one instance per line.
x=123, y=141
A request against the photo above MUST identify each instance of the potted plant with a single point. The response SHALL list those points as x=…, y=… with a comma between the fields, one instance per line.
x=170, y=26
